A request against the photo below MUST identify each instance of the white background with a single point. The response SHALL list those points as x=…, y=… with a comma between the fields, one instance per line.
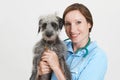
x=18, y=33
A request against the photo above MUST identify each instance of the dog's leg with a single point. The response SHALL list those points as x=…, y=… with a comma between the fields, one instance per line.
x=34, y=70
x=36, y=60
x=65, y=68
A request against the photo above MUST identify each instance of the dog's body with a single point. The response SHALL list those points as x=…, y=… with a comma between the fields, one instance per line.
x=50, y=27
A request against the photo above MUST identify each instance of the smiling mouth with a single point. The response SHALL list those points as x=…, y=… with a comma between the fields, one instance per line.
x=74, y=35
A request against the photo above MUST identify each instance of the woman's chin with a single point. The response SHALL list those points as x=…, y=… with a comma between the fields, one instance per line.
x=74, y=40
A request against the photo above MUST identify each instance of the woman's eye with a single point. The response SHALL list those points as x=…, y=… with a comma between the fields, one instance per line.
x=67, y=24
x=78, y=22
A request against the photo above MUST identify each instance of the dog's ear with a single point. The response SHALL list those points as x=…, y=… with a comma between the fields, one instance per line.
x=40, y=22
x=60, y=20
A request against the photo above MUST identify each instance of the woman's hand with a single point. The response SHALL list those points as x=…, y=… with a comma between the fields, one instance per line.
x=51, y=58
x=52, y=62
x=43, y=68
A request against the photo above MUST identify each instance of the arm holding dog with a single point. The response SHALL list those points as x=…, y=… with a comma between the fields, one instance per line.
x=43, y=68
x=52, y=59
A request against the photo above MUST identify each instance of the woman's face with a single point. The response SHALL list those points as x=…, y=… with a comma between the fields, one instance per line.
x=76, y=26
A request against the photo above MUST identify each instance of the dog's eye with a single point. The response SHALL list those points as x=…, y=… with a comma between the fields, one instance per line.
x=44, y=26
x=54, y=24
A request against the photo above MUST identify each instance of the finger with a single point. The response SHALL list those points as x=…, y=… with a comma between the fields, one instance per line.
x=45, y=53
x=44, y=71
x=45, y=63
x=41, y=62
x=50, y=52
x=44, y=58
x=44, y=68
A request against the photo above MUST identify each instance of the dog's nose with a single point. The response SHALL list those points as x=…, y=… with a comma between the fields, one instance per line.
x=49, y=33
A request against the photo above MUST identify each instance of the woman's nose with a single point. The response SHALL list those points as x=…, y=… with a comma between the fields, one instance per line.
x=73, y=28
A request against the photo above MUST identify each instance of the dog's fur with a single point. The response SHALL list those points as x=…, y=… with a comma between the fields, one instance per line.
x=50, y=27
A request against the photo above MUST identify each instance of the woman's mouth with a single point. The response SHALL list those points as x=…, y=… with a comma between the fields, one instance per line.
x=74, y=35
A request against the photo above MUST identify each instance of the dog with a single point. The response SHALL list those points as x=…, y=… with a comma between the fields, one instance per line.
x=50, y=26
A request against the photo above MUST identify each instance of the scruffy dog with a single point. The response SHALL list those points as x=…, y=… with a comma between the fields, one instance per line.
x=50, y=27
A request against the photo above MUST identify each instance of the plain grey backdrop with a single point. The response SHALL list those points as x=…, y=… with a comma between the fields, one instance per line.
x=19, y=25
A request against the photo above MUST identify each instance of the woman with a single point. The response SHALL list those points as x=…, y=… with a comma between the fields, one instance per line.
x=84, y=57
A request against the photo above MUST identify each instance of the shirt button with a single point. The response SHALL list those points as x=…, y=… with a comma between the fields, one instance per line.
x=76, y=72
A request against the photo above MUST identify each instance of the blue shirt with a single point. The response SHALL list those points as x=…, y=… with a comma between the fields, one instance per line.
x=91, y=67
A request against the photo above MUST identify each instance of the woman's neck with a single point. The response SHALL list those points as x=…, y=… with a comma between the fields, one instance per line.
x=80, y=44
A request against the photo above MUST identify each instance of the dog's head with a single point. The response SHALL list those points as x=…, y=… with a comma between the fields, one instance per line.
x=50, y=26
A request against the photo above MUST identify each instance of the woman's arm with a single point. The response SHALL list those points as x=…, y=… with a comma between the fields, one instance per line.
x=59, y=74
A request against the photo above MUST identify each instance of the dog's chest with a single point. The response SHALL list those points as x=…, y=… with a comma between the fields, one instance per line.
x=50, y=47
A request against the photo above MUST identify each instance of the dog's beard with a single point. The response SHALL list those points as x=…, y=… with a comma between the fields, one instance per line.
x=50, y=39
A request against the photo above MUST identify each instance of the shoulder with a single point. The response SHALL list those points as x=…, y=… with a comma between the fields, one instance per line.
x=95, y=62
x=95, y=48
x=97, y=53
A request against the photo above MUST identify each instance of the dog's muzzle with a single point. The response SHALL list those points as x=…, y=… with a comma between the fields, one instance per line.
x=49, y=33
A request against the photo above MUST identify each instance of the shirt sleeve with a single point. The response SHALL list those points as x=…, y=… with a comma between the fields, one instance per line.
x=95, y=69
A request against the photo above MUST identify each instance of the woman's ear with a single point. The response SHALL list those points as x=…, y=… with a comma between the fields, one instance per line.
x=89, y=25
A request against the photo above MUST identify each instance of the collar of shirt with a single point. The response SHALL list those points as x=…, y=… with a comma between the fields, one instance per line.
x=90, y=47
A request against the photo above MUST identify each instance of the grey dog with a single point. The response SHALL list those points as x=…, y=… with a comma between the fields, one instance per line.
x=50, y=27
